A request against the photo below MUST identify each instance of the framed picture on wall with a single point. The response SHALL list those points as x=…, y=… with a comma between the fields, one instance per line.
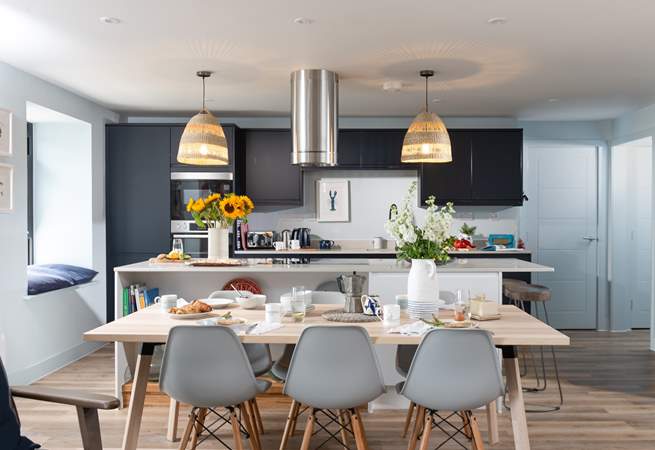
x=5, y=132
x=6, y=188
x=332, y=200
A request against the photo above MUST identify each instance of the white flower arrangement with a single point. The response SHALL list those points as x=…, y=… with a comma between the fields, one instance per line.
x=413, y=242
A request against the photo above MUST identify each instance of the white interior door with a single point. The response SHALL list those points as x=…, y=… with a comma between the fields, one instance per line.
x=642, y=238
x=631, y=212
x=560, y=224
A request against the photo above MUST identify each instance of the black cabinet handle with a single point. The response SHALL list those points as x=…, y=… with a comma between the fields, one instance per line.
x=525, y=197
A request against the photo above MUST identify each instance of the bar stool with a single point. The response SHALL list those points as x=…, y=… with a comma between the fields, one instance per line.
x=453, y=371
x=334, y=370
x=207, y=368
x=535, y=294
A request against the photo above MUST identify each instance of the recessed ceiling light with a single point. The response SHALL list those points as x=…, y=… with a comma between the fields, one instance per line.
x=110, y=20
x=553, y=100
x=436, y=100
x=497, y=21
x=392, y=85
x=303, y=21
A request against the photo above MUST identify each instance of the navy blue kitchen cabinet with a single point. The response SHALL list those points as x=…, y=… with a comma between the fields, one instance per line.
x=487, y=169
x=370, y=149
x=137, y=195
x=230, y=136
x=270, y=178
x=449, y=181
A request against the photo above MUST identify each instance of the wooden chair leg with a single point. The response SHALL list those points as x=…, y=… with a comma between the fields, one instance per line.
x=418, y=424
x=294, y=422
x=250, y=410
x=187, y=431
x=465, y=421
x=309, y=429
x=236, y=431
x=358, y=430
x=361, y=424
x=477, y=443
x=343, y=423
x=427, y=430
x=258, y=416
x=173, y=417
x=200, y=421
x=89, y=428
x=247, y=419
x=253, y=424
x=408, y=419
x=287, y=427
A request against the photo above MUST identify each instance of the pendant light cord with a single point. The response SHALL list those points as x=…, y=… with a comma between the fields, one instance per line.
x=426, y=94
x=203, y=94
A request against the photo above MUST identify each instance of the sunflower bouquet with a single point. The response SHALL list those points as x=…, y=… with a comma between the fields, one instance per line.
x=216, y=211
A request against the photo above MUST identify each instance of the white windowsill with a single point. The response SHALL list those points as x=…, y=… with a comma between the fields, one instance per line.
x=59, y=291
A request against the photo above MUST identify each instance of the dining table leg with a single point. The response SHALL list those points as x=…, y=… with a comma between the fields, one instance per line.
x=515, y=398
x=137, y=398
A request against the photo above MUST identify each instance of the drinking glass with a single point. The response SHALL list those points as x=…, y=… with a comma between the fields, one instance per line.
x=273, y=312
x=178, y=246
x=462, y=307
x=298, y=303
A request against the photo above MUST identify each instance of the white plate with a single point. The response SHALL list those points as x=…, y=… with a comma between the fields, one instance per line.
x=217, y=321
x=218, y=303
x=188, y=316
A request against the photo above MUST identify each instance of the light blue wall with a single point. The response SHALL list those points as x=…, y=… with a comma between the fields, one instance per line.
x=45, y=333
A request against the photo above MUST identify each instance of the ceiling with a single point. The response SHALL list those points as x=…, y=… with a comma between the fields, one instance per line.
x=552, y=60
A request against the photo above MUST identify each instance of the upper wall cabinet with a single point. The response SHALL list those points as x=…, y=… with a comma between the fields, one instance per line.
x=270, y=177
x=370, y=148
x=487, y=169
x=176, y=135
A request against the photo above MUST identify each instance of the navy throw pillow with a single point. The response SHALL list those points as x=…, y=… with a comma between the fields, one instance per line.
x=77, y=275
x=39, y=282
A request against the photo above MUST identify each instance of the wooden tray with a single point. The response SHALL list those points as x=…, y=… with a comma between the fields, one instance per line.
x=215, y=263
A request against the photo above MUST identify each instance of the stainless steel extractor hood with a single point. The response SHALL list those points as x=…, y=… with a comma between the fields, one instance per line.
x=314, y=117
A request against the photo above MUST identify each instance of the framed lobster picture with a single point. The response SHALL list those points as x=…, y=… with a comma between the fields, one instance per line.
x=332, y=200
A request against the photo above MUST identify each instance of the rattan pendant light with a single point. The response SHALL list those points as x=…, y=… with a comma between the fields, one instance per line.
x=426, y=140
x=203, y=140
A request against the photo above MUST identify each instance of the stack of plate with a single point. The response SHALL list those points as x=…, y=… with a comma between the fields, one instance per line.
x=423, y=310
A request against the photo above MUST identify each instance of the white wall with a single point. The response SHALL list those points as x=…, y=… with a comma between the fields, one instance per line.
x=62, y=182
x=44, y=333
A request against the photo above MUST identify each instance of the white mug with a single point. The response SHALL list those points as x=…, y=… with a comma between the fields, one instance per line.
x=295, y=244
x=391, y=314
x=167, y=301
x=279, y=245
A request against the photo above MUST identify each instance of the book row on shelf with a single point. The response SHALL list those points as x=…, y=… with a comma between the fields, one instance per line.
x=138, y=296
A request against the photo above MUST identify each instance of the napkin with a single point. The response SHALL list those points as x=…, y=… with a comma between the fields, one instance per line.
x=411, y=329
x=264, y=327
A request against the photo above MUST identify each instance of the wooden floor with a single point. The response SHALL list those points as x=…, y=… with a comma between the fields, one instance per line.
x=609, y=388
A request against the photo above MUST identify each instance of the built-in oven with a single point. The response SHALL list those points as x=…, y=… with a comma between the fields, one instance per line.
x=187, y=185
x=194, y=244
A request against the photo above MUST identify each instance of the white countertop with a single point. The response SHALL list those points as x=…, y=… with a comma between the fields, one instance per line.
x=379, y=266
x=362, y=251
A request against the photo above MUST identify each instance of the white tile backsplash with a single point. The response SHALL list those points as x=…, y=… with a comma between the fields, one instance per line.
x=371, y=193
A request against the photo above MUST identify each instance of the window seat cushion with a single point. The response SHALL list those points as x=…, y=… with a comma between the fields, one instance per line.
x=50, y=277
x=76, y=274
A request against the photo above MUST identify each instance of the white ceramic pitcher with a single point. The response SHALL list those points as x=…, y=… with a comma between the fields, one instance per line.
x=422, y=284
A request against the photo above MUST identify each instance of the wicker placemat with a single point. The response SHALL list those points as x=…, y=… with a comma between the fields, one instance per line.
x=338, y=315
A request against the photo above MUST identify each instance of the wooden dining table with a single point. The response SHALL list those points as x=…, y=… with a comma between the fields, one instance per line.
x=139, y=332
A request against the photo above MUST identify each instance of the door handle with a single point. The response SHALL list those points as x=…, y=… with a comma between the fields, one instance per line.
x=589, y=238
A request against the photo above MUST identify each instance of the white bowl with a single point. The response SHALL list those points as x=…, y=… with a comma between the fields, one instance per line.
x=251, y=302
